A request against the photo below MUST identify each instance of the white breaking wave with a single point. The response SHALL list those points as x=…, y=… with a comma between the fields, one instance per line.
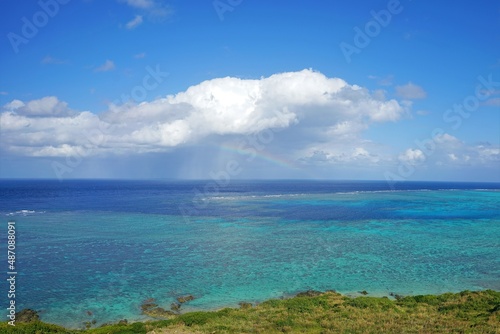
x=24, y=213
x=243, y=197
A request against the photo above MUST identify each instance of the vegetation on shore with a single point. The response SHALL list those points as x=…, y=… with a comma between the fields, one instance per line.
x=315, y=312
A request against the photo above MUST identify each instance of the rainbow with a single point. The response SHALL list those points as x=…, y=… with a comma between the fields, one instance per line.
x=253, y=154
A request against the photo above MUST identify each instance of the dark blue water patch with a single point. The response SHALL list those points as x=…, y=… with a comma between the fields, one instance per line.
x=126, y=196
x=166, y=197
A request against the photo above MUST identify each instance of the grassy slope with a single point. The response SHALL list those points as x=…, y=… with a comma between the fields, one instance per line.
x=465, y=312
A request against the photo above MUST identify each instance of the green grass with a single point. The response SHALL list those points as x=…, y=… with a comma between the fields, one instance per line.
x=329, y=312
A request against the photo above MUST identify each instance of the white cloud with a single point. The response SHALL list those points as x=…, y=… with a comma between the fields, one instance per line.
x=494, y=102
x=48, y=106
x=144, y=4
x=153, y=8
x=50, y=135
x=140, y=55
x=490, y=92
x=107, y=66
x=4, y=93
x=14, y=104
x=412, y=156
x=134, y=22
x=346, y=129
x=313, y=107
x=423, y=112
x=447, y=140
x=449, y=151
x=465, y=155
x=490, y=154
x=340, y=156
x=411, y=91
x=492, y=99
x=51, y=60
x=383, y=81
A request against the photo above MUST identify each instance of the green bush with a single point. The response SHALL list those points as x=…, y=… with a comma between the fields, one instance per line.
x=427, y=299
x=371, y=303
x=196, y=318
x=305, y=304
x=36, y=327
x=273, y=303
x=476, y=305
x=133, y=328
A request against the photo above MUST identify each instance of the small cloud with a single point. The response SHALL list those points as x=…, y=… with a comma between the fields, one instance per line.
x=383, y=81
x=135, y=22
x=412, y=156
x=13, y=105
x=491, y=101
x=411, y=91
x=379, y=94
x=495, y=102
x=140, y=55
x=448, y=141
x=360, y=152
x=143, y=4
x=107, y=66
x=409, y=35
x=160, y=12
x=48, y=106
x=490, y=92
x=153, y=8
x=4, y=93
x=423, y=112
x=387, y=81
x=52, y=60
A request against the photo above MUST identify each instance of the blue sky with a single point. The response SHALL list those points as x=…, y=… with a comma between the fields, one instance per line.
x=397, y=90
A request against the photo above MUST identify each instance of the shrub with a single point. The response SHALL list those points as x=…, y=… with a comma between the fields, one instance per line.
x=371, y=303
x=197, y=318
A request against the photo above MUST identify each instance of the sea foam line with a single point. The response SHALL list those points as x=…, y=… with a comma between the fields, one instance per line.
x=23, y=213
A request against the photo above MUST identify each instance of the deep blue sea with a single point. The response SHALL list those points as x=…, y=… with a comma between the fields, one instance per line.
x=106, y=246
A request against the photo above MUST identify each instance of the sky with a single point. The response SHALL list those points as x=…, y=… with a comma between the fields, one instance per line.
x=152, y=89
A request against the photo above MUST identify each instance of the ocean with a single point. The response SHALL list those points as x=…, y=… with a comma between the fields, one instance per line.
x=96, y=249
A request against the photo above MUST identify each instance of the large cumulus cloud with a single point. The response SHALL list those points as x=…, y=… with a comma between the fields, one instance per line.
x=326, y=109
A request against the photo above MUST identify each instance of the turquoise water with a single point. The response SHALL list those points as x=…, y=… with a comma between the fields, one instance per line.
x=105, y=250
